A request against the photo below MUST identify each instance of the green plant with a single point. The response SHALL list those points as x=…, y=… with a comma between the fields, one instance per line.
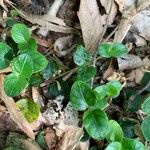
x=94, y=101
x=25, y=64
x=146, y=122
x=29, y=108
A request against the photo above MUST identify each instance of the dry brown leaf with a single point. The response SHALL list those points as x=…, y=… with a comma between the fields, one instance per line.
x=129, y=62
x=128, y=17
x=50, y=138
x=14, y=111
x=110, y=8
x=142, y=23
x=71, y=138
x=91, y=23
x=37, y=97
x=124, y=4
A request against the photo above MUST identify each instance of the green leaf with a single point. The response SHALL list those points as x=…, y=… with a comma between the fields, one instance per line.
x=14, y=13
x=96, y=123
x=39, y=61
x=113, y=88
x=35, y=80
x=101, y=91
x=145, y=128
x=145, y=80
x=29, y=46
x=146, y=106
x=86, y=73
x=114, y=146
x=40, y=139
x=5, y=52
x=23, y=65
x=128, y=128
x=112, y=50
x=14, y=84
x=20, y=33
x=50, y=69
x=115, y=133
x=132, y=144
x=29, y=109
x=100, y=103
x=82, y=96
x=13, y=148
x=81, y=56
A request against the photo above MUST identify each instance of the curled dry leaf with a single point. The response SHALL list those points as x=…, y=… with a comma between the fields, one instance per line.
x=91, y=23
x=14, y=111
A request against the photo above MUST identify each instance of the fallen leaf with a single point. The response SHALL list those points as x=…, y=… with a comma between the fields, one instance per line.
x=110, y=8
x=142, y=23
x=91, y=23
x=129, y=62
x=124, y=4
x=71, y=138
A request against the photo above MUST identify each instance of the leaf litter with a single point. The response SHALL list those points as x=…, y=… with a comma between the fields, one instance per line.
x=66, y=24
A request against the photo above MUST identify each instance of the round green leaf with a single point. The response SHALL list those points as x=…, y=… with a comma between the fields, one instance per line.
x=29, y=46
x=114, y=146
x=81, y=56
x=115, y=133
x=101, y=91
x=113, y=88
x=146, y=106
x=112, y=50
x=50, y=69
x=35, y=80
x=39, y=61
x=14, y=84
x=20, y=33
x=82, y=96
x=23, y=65
x=85, y=73
x=132, y=144
x=145, y=128
x=100, y=103
x=5, y=52
x=29, y=109
x=96, y=123
x=40, y=139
